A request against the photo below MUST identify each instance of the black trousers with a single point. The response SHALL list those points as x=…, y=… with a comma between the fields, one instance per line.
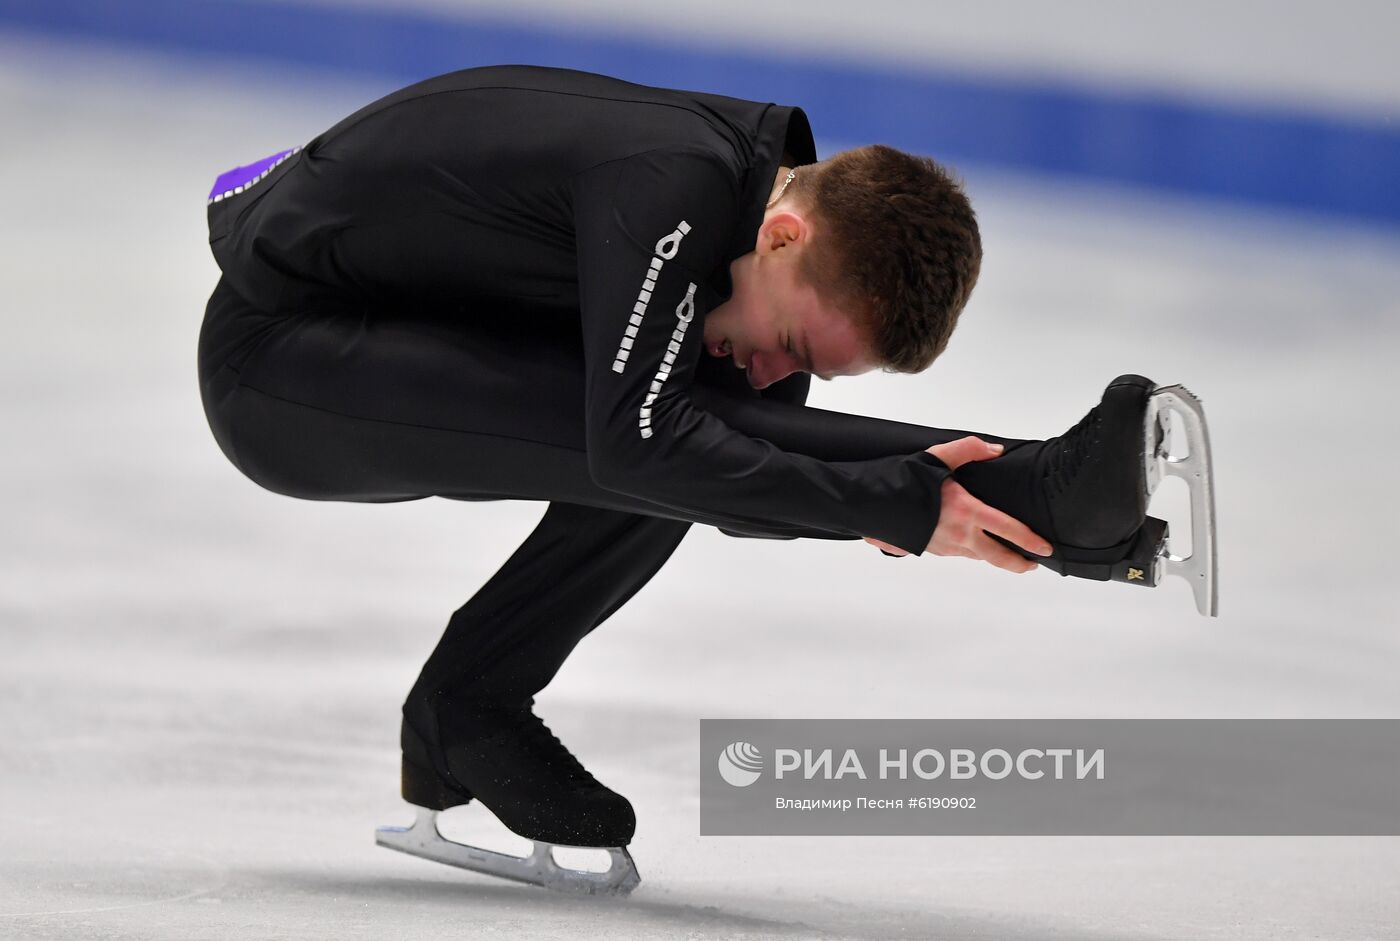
x=370, y=403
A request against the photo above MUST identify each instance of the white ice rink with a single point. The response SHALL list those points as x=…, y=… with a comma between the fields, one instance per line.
x=200, y=680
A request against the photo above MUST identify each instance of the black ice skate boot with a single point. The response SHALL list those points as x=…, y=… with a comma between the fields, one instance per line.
x=510, y=761
x=505, y=757
x=1087, y=490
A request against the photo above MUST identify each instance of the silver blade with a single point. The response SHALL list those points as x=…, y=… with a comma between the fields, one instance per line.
x=1200, y=568
x=424, y=840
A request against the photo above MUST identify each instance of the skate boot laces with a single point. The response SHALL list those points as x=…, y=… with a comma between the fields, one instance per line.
x=536, y=737
x=1071, y=450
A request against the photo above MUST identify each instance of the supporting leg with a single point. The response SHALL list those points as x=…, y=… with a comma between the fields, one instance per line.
x=576, y=568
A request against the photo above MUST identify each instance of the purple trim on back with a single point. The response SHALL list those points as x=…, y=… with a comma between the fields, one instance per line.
x=240, y=176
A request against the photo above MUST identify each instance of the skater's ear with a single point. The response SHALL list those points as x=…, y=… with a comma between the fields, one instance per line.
x=780, y=230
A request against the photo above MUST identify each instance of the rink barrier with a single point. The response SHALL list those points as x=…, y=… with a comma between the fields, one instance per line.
x=1298, y=160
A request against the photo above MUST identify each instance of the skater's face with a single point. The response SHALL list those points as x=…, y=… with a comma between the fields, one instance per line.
x=776, y=323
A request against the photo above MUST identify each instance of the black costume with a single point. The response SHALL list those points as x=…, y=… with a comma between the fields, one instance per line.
x=491, y=285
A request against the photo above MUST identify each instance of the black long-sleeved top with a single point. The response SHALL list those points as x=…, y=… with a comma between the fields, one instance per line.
x=524, y=188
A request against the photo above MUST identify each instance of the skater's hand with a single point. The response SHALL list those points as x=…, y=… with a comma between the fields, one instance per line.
x=964, y=520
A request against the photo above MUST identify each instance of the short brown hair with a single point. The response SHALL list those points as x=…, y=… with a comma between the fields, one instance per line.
x=898, y=245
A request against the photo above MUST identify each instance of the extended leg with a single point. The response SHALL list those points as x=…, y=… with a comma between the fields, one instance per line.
x=1087, y=490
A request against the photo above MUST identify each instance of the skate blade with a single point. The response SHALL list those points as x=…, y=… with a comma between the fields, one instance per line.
x=1166, y=405
x=424, y=840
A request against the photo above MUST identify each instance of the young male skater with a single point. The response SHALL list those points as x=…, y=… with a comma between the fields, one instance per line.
x=529, y=283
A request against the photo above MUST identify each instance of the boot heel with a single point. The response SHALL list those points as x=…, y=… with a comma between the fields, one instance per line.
x=1143, y=563
x=1135, y=562
x=422, y=787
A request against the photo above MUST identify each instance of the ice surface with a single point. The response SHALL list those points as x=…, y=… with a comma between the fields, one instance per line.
x=200, y=680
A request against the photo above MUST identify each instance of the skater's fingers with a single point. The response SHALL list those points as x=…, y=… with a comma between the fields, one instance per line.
x=959, y=452
x=963, y=526
x=884, y=546
x=1013, y=530
x=989, y=550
